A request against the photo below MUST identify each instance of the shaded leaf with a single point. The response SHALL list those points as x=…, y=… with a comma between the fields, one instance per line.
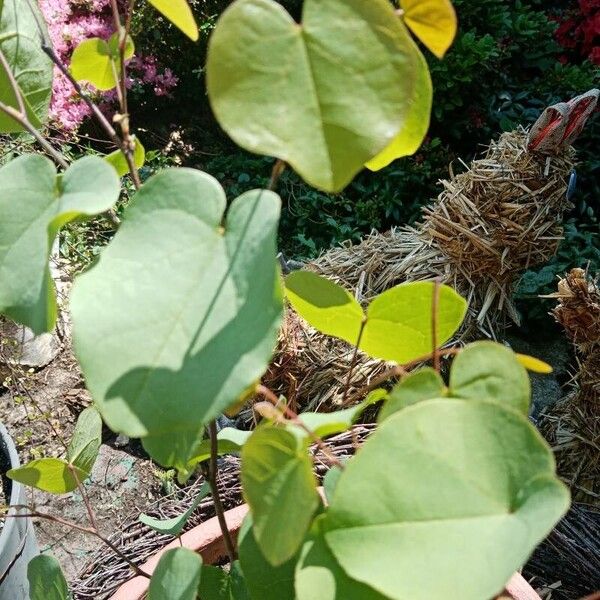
x=86, y=440
x=217, y=584
x=51, y=475
x=177, y=576
x=34, y=205
x=46, y=579
x=98, y=61
x=280, y=487
x=330, y=481
x=175, y=525
x=118, y=160
x=432, y=21
x=208, y=305
x=490, y=371
x=351, y=91
x=20, y=25
x=424, y=384
x=474, y=490
x=180, y=14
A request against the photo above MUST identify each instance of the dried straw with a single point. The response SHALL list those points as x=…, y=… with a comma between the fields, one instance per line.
x=489, y=224
x=572, y=426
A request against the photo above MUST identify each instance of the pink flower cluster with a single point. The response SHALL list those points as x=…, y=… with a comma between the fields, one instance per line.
x=69, y=23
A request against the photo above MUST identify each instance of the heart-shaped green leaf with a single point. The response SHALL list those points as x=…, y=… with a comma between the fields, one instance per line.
x=180, y=315
x=52, y=475
x=474, y=490
x=46, y=579
x=416, y=124
x=119, y=162
x=20, y=42
x=86, y=440
x=97, y=61
x=325, y=95
x=424, y=384
x=34, y=205
x=280, y=487
x=263, y=580
x=397, y=325
x=490, y=371
x=175, y=525
x=177, y=576
x=180, y=14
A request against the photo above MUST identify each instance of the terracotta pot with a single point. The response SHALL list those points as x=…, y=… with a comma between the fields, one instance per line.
x=206, y=539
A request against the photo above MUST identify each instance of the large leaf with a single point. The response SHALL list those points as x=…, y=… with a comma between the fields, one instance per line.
x=280, y=487
x=175, y=525
x=177, y=576
x=397, y=324
x=46, y=579
x=86, y=440
x=52, y=475
x=98, y=62
x=319, y=575
x=180, y=315
x=432, y=21
x=326, y=305
x=416, y=124
x=217, y=584
x=180, y=14
x=468, y=484
x=486, y=370
x=21, y=44
x=34, y=205
x=325, y=95
x=263, y=580
x=424, y=384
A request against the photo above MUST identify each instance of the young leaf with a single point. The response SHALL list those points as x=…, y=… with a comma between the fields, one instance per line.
x=326, y=141
x=326, y=305
x=177, y=576
x=208, y=304
x=490, y=371
x=280, y=487
x=416, y=124
x=432, y=21
x=175, y=525
x=34, y=205
x=535, y=365
x=46, y=579
x=217, y=584
x=424, y=384
x=180, y=14
x=20, y=25
x=51, y=475
x=474, y=490
x=263, y=580
x=119, y=162
x=86, y=440
x=399, y=321
x=97, y=61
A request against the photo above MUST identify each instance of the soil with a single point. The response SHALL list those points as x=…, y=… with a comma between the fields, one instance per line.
x=39, y=409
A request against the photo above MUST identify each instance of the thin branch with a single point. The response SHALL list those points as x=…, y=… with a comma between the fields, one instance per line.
x=32, y=513
x=297, y=420
x=278, y=169
x=211, y=476
x=85, y=497
x=434, y=324
x=353, y=361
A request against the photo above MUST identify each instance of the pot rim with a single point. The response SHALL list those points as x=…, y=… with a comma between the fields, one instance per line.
x=7, y=447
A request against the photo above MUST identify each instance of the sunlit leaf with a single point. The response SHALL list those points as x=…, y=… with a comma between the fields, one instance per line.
x=535, y=365
x=180, y=14
x=468, y=484
x=51, y=475
x=86, y=440
x=34, y=204
x=97, y=61
x=46, y=579
x=280, y=487
x=119, y=162
x=350, y=94
x=432, y=21
x=177, y=576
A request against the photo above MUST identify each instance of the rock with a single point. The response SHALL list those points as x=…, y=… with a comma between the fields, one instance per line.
x=27, y=349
